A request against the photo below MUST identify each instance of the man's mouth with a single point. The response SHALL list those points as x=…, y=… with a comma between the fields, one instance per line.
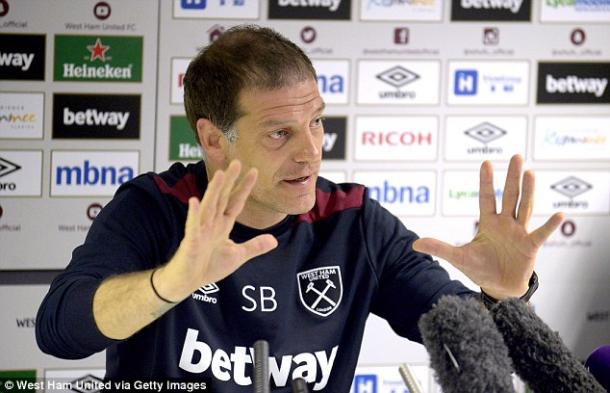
x=299, y=180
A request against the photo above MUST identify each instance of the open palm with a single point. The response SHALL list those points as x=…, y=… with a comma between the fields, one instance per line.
x=501, y=257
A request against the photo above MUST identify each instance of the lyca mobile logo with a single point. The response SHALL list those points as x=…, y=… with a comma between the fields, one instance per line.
x=98, y=58
x=579, y=83
x=22, y=56
x=98, y=173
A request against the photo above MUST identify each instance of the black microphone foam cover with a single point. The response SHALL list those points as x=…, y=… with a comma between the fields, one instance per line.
x=466, y=350
x=539, y=355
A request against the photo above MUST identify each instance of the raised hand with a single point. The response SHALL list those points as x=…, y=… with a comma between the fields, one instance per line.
x=501, y=257
x=206, y=254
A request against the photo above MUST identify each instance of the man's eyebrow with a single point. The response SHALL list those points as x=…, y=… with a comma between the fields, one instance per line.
x=276, y=122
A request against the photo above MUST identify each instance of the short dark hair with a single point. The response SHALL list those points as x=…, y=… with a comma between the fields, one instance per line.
x=243, y=57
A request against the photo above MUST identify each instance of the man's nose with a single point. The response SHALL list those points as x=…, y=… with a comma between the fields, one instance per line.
x=309, y=146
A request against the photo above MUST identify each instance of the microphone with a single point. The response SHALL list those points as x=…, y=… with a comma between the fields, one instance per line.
x=539, y=355
x=261, y=366
x=466, y=350
x=598, y=364
x=299, y=386
x=409, y=379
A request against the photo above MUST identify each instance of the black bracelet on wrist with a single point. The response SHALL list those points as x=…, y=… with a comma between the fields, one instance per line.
x=489, y=301
x=152, y=285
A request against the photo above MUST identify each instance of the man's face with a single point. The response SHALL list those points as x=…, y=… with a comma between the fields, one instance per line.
x=281, y=135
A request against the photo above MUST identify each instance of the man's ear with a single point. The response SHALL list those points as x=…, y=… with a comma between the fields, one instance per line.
x=212, y=141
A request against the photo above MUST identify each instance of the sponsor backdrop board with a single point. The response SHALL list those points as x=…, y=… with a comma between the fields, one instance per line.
x=418, y=94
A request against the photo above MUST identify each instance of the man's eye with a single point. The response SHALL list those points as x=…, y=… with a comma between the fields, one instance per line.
x=279, y=134
x=318, y=122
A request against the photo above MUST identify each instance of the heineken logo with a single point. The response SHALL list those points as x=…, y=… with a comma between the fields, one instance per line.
x=98, y=51
x=98, y=58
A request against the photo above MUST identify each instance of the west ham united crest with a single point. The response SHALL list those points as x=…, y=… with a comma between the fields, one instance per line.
x=321, y=289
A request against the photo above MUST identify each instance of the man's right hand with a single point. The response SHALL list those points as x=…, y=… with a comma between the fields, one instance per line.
x=207, y=254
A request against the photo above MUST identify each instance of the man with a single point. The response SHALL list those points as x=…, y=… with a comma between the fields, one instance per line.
x=162, y=282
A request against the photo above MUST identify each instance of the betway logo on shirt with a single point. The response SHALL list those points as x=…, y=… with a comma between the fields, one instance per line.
x=491, y=10
x=198, y=357
x=477, y=138
x=91, y=173
x=404, y=193
x=561, y=138
x=22, y=56
x=21, y=115
x=396, y=138
x=98, y=58
x=179, y=66
x=333, y=78
x=578, y=83
x=86, y=116
x=310, y=9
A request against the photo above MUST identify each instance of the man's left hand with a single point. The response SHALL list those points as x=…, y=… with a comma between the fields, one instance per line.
x=501, y=257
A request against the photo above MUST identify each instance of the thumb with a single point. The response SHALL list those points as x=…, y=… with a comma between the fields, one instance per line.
x=439, y=249
x=259, y=245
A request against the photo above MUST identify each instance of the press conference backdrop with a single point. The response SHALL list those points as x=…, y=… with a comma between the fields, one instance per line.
x=419, y=93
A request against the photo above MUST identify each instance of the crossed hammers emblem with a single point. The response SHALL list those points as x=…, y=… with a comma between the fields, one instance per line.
x=321, y=294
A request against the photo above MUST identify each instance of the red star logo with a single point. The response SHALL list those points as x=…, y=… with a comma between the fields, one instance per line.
x=98, y=51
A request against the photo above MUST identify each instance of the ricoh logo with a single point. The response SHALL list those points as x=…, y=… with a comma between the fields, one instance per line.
x=485, y=133
x=230, y=366
x=332, y=78
x=91, y=173
x=571, y=187
x=402, y=138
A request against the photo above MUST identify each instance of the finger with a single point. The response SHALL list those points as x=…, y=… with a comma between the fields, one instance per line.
x=258, y=246
x=241, y=193
x=487, y=195
x=526, y=204
x=192, y=223
x=209, y=202
x=540, y=235
x=440, y=249
x=511, y=186
x=232, y=173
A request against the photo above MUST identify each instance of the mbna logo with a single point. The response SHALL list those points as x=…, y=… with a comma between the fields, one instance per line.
x=89, y=174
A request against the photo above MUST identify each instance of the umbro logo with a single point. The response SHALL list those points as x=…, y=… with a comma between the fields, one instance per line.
x=397, y=76
x=202, y=293
x=571, y=187
x=485, y=132
x=7, y=167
